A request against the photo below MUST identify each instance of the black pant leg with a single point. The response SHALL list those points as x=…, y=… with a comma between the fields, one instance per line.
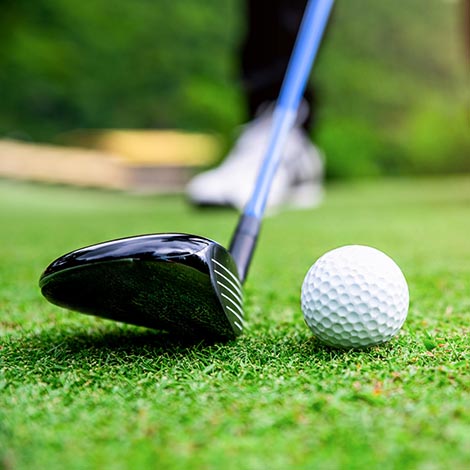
x=272, y=27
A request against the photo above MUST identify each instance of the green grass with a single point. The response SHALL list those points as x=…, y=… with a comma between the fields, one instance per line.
x=78, y=392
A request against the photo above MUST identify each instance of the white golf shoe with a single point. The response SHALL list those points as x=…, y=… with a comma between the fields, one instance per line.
x=298, y=181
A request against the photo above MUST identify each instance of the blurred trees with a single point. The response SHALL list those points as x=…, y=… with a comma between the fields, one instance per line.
x=395, y=89
x=107, y=63
x=391, y=81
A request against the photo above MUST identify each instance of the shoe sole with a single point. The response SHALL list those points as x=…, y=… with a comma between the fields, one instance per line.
x=301, y=196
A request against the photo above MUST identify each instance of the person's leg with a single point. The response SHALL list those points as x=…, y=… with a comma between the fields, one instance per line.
x=272, y=27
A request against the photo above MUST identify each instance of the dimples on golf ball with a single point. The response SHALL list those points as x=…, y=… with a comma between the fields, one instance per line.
x=354, y=296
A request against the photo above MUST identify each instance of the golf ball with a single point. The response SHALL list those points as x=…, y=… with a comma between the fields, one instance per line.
x=354, y=296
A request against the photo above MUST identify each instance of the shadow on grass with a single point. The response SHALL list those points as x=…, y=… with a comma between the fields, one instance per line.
x=127, y=339
x=100, y=346
x=112, y=349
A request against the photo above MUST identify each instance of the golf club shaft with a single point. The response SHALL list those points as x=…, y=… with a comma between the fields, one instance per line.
x=306, y=46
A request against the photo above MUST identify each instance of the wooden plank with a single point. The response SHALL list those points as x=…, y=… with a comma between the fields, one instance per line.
x=56, y=164
x=150, y=147
x=135, y=160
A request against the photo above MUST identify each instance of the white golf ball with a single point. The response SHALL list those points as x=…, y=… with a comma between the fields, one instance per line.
x=354, y=296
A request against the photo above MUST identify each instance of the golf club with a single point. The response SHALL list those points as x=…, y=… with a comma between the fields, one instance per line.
x=186, y=284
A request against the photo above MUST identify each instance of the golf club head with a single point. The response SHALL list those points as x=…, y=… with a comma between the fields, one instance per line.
x=184, y=284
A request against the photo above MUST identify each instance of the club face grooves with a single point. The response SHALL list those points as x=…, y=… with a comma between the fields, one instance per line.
x=228, y=287
x=162, y=281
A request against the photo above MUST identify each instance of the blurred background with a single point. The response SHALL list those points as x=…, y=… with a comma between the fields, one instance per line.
x=392, y=78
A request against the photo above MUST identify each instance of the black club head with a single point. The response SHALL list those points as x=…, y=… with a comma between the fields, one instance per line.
x=184, y=284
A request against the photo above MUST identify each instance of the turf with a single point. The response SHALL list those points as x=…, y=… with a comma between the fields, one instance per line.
x=78, y=392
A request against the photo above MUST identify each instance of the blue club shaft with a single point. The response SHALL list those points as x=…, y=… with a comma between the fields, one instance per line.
x=293, y=87
x=305, y=50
